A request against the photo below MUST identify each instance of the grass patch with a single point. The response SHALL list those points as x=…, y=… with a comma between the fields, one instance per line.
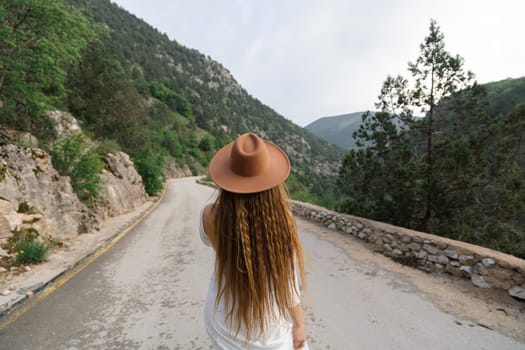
x=28, y=248
x=32, y=251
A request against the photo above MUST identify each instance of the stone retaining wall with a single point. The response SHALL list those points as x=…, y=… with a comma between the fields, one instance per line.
x=486, y=268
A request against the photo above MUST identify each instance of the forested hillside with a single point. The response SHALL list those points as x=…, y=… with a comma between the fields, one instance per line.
x=194, y=102
x=134, y=89
x=504, y=95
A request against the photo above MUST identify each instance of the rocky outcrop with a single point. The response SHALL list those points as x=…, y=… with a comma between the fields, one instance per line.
x=172, y=171
x=65, y=124
x=17, y=137
x=123, y=187
x=32, y=192
x=9, y=218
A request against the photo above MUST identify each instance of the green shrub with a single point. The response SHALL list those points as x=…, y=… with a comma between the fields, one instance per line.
x=108, y=146
x=74, y=157
x=149, y=166
x=30, y=251
x=27, y=247
x=171, y=143
x=206, y=144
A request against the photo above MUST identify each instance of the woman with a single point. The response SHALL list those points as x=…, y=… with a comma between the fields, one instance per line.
x=253, y=298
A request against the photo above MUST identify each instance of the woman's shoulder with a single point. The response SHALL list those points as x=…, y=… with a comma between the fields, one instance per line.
x=208, y=212
x=208, y=220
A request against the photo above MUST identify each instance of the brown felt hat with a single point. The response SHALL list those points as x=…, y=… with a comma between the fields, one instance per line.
x=248, y=165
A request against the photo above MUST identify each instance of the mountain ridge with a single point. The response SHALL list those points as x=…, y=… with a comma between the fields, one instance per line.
x=337, y=129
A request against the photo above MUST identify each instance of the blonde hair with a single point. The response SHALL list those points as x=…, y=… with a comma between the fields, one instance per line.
x=257, y=252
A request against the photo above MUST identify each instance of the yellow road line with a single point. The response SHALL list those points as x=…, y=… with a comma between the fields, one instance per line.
x=72, y=273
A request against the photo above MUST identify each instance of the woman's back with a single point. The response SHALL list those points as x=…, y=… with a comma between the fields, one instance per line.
x=277, y=333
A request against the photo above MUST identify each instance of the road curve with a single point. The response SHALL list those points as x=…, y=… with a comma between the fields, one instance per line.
x=147, y=292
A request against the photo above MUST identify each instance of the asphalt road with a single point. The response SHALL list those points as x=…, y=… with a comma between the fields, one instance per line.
x=147, y=292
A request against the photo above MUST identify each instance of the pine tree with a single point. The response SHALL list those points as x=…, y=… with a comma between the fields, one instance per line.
x=436, y=75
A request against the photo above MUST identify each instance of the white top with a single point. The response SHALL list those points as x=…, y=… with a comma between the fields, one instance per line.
x=278, y=335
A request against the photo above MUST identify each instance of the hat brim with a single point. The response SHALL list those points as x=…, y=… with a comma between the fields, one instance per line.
x=276, y=173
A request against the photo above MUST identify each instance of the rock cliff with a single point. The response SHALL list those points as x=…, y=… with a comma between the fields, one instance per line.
x=123, y=187
x=65, y=124
x=32, y=192
x=172, y=170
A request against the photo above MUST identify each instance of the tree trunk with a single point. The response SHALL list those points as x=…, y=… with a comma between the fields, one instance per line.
x=423, y=226
x=2, y=78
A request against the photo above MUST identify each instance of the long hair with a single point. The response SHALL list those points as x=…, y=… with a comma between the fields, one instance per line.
x=257, y=252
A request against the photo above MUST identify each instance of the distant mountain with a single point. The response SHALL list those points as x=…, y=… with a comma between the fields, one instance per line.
x=338, y=129
x=504, y=95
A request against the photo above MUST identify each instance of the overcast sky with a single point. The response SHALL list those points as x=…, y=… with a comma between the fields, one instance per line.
x=309, y=59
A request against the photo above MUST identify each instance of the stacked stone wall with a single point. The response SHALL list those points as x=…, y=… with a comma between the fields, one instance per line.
x=485, y=268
